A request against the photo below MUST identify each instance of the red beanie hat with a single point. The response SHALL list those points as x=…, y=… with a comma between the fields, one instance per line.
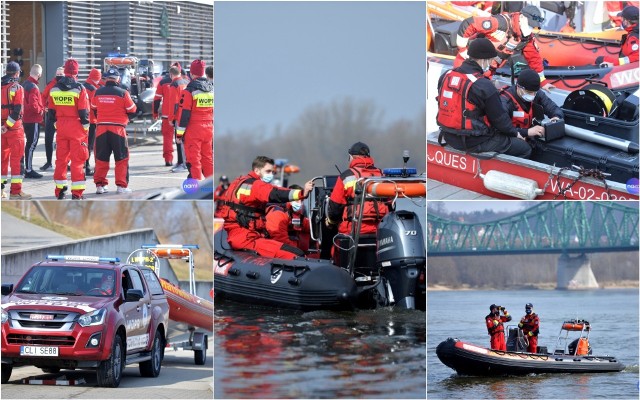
x=71, y=67
x=197, y=68
x=95, y=75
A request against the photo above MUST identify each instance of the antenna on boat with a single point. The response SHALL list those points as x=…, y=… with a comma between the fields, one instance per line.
x=405, y=158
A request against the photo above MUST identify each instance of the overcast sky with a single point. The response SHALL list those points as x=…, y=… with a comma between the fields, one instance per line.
x=275, y=59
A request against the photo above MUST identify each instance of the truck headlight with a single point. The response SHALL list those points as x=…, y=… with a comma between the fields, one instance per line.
x=93, y=318
x=5, y=316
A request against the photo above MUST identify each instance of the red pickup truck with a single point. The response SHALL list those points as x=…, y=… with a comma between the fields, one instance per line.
x=79, y=312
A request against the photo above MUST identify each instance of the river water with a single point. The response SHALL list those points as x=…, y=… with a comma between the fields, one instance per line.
x=613, y=314
x=269, y=353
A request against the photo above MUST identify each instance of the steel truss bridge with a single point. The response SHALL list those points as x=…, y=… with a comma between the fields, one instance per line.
x=547, y=227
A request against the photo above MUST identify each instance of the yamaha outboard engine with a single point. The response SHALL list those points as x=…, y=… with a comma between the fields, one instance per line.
x=401, y=256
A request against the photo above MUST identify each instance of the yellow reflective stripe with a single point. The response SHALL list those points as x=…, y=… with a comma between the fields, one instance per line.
x=243, y=192
x=350, y=182
x=10, y=122
x=623, y=60
x=78, y=185
x=180, y=131
x=541, y=75
x=60, y=184
x=61, y=98
x=295, y=194
x=204, y=99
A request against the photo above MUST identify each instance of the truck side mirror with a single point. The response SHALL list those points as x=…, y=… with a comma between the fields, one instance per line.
x=7, y=288
x=134, y=295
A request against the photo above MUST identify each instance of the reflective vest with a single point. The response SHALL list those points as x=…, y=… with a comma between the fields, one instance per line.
x=234, y=211
x=373, y=209
x=519, y=118
x=455, y=113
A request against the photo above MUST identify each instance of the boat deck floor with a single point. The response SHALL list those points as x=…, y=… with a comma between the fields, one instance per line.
x=441, y=191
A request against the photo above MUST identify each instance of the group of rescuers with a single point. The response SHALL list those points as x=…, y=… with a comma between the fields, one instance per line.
x=270, y=220
x=473, y=115
x=529, y=324
x=96, y=113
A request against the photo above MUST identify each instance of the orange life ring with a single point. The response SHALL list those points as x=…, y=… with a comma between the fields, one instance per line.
x=171, y=252
x=291, y=169
x=570, y=326
x=120, y=60
x=391, y=189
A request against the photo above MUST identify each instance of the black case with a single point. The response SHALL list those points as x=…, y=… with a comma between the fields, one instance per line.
x=568, y=151
x=627, y=130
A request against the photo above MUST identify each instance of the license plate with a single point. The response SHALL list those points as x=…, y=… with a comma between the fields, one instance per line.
x=38, y=351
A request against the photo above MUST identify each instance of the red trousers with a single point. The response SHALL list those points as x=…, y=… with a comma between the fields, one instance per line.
x=245, y=239
x=198, y=149
x=533, y=344
x=497, y=341
x=167, y=140
x=12, y=152
x=111, y=139
x=71, y=145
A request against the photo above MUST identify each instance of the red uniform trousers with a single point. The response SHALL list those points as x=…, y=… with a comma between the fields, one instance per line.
x=71, y=146
x=198, y=149
x=111, y=139
x=533, y=344
x=168, y=133
x=497, y=341
x=12, y=152
x=246, y=239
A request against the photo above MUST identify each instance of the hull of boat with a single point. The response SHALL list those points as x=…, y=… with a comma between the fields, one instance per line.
x=187, y=308
x=467, y=359
x=453, y=167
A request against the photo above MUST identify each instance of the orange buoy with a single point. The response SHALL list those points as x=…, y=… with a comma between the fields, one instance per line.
x=120, y=60
x=291, y=169
x=171, y=252
x=571, y=326
x=393, y=189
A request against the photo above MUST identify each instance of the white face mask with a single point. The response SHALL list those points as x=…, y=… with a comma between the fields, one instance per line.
x=526, y=96
x=525, y=29
x=267, y=178
x=296, y=205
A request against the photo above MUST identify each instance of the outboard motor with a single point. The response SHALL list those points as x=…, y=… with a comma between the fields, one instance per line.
x=401, y=255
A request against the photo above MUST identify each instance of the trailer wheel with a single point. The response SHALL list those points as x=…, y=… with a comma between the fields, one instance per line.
x=200, y=356
x=6, y=372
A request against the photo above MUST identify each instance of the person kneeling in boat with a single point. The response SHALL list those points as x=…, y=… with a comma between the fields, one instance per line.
x=629, y=44
x=495, y=327
x=287, y=223
x=470, y=114
x=530, y=325
x=521, y=100
x=244, y=206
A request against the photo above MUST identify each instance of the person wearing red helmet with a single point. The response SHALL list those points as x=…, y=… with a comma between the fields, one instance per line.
x=244, y=205
x=12, y=131
x=195, y=126
x=92, y=84
x=33, y=113
x=113, y=106
x=69, y=111
x=168, y=93
x=49, y=129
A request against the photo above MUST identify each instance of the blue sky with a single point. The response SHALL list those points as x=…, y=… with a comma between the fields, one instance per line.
x=275, y=59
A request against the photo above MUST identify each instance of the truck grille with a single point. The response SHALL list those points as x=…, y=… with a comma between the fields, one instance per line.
x=32, y=340
x=42, y=320
x=41, y=324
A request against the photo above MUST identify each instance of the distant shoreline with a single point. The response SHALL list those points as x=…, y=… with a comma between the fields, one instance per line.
x=534, y=286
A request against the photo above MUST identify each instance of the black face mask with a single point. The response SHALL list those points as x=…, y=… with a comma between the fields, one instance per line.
x=496, y=313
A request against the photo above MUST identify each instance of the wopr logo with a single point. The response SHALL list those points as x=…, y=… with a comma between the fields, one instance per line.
x=632, y=186
x=190, y=186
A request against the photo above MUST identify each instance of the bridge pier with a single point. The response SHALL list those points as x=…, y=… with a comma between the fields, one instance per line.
x=575, y=273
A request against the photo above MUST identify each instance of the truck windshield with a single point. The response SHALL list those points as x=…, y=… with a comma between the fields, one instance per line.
x=69, y=281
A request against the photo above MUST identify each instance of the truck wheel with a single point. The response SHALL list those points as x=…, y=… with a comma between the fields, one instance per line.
x=200, y=356
x=110, y=371
x=50, y=370
x=6, y=372
x=151, y=368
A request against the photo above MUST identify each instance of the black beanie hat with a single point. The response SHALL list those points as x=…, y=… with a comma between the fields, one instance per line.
x=529, y=80
x=359, y=149
x=482, y=49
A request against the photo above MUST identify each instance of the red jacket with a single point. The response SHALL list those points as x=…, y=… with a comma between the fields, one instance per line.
x=47, y=89
x=341, y=207
x=628, y=48
x=288, y=226
x=530, y=323
x=68, y=100
x=33, y=108
x=112, y=104
x=196, y=105
x=246, y=200
x=12, y=103
x=91, y=87
x=494, y=329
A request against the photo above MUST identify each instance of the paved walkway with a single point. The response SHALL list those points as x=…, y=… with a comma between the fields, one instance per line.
x=20, y=234
x=147, y=172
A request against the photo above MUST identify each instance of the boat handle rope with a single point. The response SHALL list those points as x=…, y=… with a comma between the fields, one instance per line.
x=569, y=43
x=576, y=86
x=582, y=172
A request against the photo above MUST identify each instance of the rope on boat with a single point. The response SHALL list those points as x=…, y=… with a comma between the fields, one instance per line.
x=581, y=42
x=582, y=172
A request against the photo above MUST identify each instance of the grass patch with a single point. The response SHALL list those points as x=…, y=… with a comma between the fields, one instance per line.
x=37, y=219
x=181, y=269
